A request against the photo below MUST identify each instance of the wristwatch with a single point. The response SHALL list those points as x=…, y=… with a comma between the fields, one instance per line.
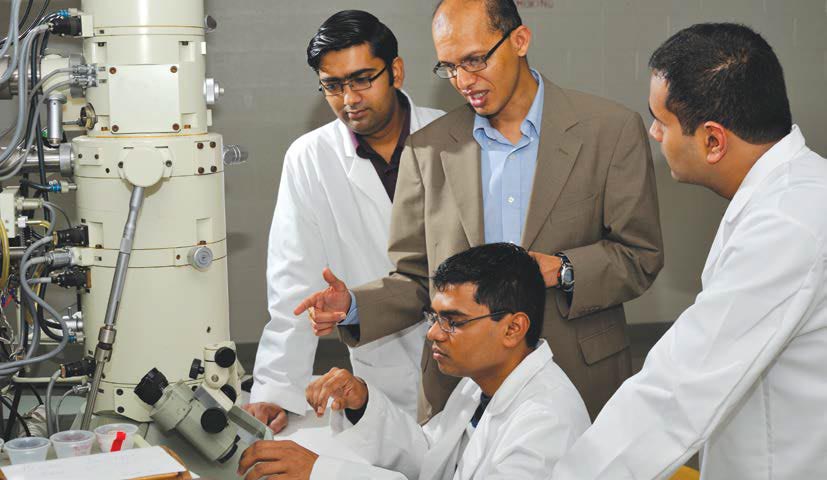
x=565, y=276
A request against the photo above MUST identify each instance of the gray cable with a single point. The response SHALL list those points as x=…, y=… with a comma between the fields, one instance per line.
x=23, y=104
x=12, y=38
x=62, y=211
x=63, y=397
x=49, y=415
x=45, y=79
x=52, y=218
x=34, y=281
x=26, y=263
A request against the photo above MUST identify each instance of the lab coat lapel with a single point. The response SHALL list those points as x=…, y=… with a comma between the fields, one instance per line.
x=461, y=164
x=361, y=174
x=511, y=388
x=442, y=456
x=555, y=158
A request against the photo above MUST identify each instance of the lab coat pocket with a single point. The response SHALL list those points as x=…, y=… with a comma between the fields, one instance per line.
x=603, y=344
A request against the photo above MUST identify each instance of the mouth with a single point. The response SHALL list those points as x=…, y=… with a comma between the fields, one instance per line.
x=438, y=354
x=477, y=98
x=356, y=114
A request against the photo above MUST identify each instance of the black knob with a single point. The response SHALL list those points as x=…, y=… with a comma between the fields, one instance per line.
x=151, y=388
x=196, y=369
x=225, y=357
x=229, y=391
x=214, y=420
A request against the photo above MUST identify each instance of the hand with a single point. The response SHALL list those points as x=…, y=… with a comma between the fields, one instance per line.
x=282, y=459
x=549, y=267
x=328, y=307
x=269, y=414
x=346, y=391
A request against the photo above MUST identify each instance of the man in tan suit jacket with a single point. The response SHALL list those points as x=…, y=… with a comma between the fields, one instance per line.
x=593, y=202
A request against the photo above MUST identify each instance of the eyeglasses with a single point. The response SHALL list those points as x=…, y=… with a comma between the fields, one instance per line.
x=471, y=64
x=450, y=326
x=356, y=84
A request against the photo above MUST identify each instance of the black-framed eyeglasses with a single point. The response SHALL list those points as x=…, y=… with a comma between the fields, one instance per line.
x=450, y=326
x=356, y=84
x=471, y=64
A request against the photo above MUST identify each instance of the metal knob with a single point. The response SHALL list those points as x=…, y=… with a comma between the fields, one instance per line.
x=212, y=91
x=233, y=155
x=200, y=258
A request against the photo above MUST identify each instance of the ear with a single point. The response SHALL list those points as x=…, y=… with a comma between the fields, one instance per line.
x=516, y=329
x=398, y=67
x=715, y=142
x=521, y=40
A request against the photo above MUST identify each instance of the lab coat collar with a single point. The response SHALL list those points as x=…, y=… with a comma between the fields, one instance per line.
x=361, y=173
x=780, y=154
x=517, y=380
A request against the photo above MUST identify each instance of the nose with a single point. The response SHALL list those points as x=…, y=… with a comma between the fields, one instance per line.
x=435, y=334
x=351, y=97
x=465, y=79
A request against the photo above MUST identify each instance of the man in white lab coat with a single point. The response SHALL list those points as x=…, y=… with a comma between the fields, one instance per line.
x=511, y=417
x=333, y=210
x=742, y=373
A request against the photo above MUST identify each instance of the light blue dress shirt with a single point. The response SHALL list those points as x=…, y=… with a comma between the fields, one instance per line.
x=508, y=172
x=507, y=178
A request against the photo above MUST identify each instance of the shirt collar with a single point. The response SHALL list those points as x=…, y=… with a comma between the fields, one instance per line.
x=780, y=153
x=530, y=127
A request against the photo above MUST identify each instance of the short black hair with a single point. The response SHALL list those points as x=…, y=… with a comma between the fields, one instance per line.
x=507, y=279
x=351, y=28
x=727, y=73
x=503, y=16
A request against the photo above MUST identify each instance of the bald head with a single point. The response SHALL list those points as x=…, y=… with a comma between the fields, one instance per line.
x=502, y=15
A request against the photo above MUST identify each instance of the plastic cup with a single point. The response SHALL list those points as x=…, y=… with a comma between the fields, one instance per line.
x=107, y=434
x=27, y=449
x=72, y=443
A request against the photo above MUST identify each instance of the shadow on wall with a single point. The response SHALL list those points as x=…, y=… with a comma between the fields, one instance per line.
x=318, y=114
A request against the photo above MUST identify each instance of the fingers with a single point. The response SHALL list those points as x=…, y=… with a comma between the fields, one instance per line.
x=260, y=451
x=333, y=281
x=318, y=392
x=279, y=422
x=307, y=303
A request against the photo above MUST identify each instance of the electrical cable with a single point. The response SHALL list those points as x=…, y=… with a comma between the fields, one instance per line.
x=62, y=211
x=26, y=263
x=15, y=404
x=49, y=413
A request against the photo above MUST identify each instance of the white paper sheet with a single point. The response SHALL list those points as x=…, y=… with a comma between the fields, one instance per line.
x=321, y=441
x=135, y=463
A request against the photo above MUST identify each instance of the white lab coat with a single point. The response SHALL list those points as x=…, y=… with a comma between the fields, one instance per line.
x=332, y=211
x=532, y=419
x=743, y=371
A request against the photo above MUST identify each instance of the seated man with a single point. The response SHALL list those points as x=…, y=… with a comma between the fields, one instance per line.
x=513, y=417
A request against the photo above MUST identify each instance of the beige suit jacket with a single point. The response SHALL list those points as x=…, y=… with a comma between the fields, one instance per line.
x=594, y=198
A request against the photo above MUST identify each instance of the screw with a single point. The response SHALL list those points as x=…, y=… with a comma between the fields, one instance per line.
x=113, y=70
x=209, y=329
x=214, y=378
x=176, y=127
x=213, y=169
x=173, y=69
x=119, y=391
x=212, y=144
x=194, y=388
x=115, y=128
x=178, y=257
x=97, y=156
x=120, y=410
x=168, y=163
x=80, y=155
x=107, y=170
x=200, y=169
x=200, y=146
x=120, y=164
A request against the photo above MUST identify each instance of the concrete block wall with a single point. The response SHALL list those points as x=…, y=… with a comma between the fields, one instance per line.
x=600, y=46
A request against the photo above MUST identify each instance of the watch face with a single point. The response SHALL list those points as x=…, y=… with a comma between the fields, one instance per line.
x=568, y=276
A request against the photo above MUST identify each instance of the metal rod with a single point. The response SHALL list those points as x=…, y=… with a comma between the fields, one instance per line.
x=106, y=337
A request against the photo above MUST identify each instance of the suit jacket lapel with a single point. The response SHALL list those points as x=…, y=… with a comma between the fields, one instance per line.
x=461, y=164
x=555, y=158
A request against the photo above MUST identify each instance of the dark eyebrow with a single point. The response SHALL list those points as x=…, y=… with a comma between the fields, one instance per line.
x=452, y=314
x=357, y=73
